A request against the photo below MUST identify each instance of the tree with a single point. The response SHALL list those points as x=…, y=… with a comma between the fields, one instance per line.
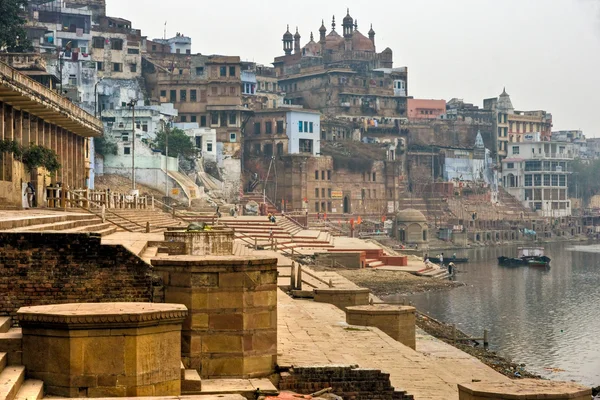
x=105, y=147
x=13, y=37
x=180, y=144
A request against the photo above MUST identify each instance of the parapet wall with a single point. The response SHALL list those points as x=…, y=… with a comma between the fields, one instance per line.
x=39, y=268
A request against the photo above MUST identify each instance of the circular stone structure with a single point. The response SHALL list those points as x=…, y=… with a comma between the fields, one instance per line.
x=398, y=322
x=104, y=349
x=525, y=389
x=411, y=226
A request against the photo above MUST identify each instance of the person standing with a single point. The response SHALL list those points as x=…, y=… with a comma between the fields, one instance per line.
x=442, y=260
x=30, y=193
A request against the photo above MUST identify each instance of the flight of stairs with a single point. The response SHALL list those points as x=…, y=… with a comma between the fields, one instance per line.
x=13, y=384
x=135, y=220
x=258, y=198
x=65, y=223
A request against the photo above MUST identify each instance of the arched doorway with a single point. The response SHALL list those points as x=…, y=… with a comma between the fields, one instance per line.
x=346, y=205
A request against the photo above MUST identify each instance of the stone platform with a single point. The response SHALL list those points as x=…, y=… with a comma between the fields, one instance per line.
x=526, y=389
x=104, y=349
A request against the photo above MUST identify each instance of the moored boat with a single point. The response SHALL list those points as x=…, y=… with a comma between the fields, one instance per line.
x=529, y=256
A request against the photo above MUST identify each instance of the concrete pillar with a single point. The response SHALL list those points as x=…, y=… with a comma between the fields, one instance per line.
x=231, y=329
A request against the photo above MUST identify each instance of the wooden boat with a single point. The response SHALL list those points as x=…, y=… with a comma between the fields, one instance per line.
x=457, y=260
x=528, y=256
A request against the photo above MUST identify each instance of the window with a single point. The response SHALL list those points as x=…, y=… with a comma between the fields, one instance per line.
x=362, y=194
x=116, y=44
x=203, y=96
x=100, y=66
x=510, y=165
x=323, y=193
x=223, y=119
x=98, y=42
x=223, y=71
x=554, y=180
x=306, y=146
x=268, y=127
x=178, y=51
x=515, y=149
x=199, y=142
x=193, y=118
x=73, y=80
x=193, y=95
x=323, y=175
x=562, y=180
x=163, y=93
x=280, y=127
x=132, y=67
x=317, y=193
x=117, y=67
x=310, y=127
x=546, y=180
x=537, y=180
x=145, y=127
x=316, y=206
x=183, y=95
x=173, y=96
x=329, y=193
x=214, y=118
x=153, y=47
x=208, y=146
x=127, y=150
x=232, y=119
x=316, y=175
x=214, y=91
x=233, y=137
x=203, y=120
x=374, y=177
x=257, y=128
x=529, y=180
x=183, y=118
x=199, y=70
x=328, y=175
x=300, y=125
x=231, y=71
x=133, y=51
x=188, y=51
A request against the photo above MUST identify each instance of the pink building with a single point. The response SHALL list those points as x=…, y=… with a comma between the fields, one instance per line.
x=425, y=109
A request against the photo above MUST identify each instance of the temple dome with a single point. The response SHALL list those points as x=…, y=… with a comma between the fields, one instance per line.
x=410, y=215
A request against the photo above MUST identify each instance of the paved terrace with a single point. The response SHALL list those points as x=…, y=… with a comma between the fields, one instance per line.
x=313, y=334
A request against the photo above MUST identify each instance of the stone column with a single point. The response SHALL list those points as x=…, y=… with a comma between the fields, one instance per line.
x=231, y=329
x=104, y=349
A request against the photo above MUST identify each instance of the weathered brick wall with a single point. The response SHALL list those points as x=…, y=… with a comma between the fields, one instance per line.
x=348, y=382
x=48, y=268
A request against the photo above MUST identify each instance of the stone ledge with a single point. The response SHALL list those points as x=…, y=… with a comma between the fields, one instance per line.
x=101, y=315
x=526, y=389
x=380, y=309
x=341, y=291
x=217, y=263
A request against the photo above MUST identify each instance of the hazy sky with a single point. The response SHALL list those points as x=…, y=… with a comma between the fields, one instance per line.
x=546, y=52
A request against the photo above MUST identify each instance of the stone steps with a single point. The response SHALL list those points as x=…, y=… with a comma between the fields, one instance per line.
x=11, y=344
x=149, y=253
x=191, y=382
x=31, y=389
x=5, y=324
x=11, y=380
x=58, y=226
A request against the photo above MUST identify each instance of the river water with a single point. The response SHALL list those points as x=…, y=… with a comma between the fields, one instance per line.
x=547, y=319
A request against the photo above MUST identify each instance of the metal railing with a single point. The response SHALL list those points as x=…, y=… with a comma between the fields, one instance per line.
x=60, y=197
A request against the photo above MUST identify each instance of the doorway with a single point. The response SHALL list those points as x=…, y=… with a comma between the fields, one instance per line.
x=346, y=205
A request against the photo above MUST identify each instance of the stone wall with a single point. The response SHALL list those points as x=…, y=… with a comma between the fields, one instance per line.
x=346, y=381
x=49, y=268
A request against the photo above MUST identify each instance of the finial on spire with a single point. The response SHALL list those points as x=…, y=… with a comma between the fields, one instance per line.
x=312, y=37
x=348, y=11
x=333, y=23
x=288, y=27
x=356, y=24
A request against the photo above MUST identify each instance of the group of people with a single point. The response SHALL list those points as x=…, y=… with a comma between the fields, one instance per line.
x=271, y=218
x=451, y=266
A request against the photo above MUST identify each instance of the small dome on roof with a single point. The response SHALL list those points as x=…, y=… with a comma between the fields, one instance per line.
x=288, y=35
x=297, y=35
x=348, y=19
x=410, y=215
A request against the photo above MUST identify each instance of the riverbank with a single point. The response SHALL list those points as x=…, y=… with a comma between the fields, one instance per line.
x=386, y=283
x=390, y=283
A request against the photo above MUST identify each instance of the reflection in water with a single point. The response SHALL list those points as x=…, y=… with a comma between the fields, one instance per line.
x=548, y=319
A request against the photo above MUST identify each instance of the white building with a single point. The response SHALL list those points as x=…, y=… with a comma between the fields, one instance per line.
x=180, y=44
x=537, y=174
x=304, y=131
x=205, y=140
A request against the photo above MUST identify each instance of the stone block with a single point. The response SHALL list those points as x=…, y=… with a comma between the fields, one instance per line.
x=396, y=321
x=222, y=344
x=228, y=322
x=219, y=367
x=209, y=279
x=342, y=298
x=105, y=349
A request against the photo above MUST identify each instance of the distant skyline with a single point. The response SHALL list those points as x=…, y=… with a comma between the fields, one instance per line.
x=545, y=52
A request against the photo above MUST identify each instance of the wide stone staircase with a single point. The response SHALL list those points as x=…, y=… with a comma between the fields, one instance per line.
x=259, y=198
x=136, y=220
x=63, y=222
x=13, y=383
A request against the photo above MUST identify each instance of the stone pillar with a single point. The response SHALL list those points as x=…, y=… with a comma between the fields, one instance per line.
x=343, y=298
x=231, y=329
x=396, y=321
x=524, y=389
x=215, y=242
x=104, y=349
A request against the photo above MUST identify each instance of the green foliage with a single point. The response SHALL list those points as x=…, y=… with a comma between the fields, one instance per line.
x=33, y=156
x=13, y=37
x=105, y=147
x=180, y=144
x=584, y=182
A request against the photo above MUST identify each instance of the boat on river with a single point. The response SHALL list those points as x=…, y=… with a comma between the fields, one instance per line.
x=456, y=260
x=528, y=256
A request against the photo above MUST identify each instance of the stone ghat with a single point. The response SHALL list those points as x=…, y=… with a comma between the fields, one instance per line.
x=349, y=382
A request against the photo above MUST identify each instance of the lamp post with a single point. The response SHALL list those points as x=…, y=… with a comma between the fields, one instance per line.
x=96, y=97
x=167, y=196
x=60, y=64
x=132, y=105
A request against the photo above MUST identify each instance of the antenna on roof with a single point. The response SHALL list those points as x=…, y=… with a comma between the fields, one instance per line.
x=165, y=34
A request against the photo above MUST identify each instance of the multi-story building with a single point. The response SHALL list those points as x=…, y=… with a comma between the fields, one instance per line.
x=283, y=131
x=513, y=126
x=537, y=173
x=343, y=76
x=425, y=109
x=259, y=87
